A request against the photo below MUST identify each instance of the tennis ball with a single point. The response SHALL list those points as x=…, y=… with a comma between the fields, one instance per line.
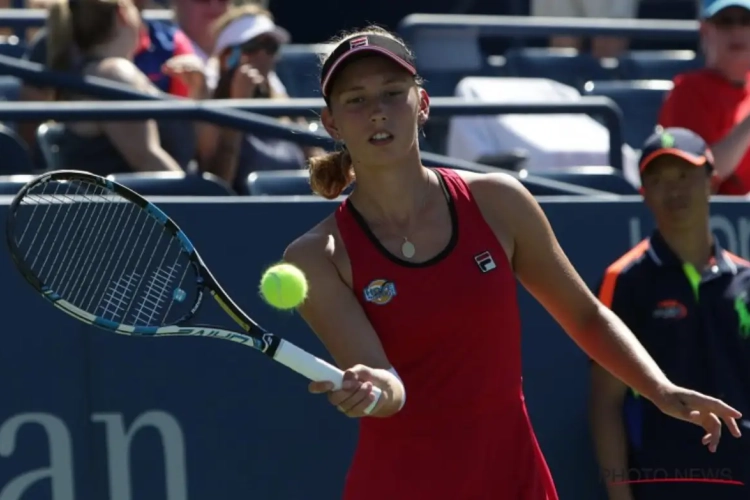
x=283, y=286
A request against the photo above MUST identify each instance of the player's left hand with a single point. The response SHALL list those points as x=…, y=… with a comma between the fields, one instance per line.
x=700, y=410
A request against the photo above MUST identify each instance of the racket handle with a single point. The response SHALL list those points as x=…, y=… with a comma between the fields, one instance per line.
x=315, y=368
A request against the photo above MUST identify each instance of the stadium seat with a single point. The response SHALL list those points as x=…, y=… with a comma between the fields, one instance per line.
x=566, y=66
x=174, y=184
x=10, y=88
x=48, y=137
x=444, y=57
x=279, y=183
x=11, y=184
x=12, y=46
x=603, y=178
x=15, y=153
x=146, y=183
x=298, y=68
x=639, y=100
x=657, y=64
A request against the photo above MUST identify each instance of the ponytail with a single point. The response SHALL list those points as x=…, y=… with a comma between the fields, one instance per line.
x=59, y=37
x=331, y=174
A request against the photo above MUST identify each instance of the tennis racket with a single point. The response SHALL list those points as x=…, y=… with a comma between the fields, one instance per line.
x=105, y=255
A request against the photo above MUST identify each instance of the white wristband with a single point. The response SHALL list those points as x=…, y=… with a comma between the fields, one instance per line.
x=403, y=389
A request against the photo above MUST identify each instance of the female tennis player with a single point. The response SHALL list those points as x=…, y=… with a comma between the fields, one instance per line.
x=413, y=290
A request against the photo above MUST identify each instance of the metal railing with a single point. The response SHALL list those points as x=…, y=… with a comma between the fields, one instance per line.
x=235, y=113
x=413, y=25
x=19, y=19
x=188, y=110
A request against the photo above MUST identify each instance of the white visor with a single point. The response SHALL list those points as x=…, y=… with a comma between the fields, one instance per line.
x=246, y=28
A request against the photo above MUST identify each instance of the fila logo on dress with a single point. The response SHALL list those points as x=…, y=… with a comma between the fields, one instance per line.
x=485, y=262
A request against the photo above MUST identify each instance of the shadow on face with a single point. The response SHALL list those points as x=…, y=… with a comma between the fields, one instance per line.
x=726, y=36
x=676, y=191
x=372, y=96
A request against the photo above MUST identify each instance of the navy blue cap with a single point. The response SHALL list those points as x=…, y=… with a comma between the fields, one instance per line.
x=679, y=142
x=370, y=43
x=713, y=7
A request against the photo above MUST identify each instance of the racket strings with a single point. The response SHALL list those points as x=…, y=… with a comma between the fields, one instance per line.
x=104, y=254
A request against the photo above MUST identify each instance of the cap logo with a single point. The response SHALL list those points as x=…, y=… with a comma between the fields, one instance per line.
x=667, y=141
x=360, y=41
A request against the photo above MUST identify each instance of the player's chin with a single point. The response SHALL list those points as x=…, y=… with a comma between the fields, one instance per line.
x=387, y=154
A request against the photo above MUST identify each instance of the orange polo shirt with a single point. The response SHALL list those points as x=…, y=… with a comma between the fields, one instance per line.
x=708, y=104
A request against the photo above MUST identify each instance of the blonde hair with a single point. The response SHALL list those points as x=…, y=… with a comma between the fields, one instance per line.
x=332, y=173
x=80, y=25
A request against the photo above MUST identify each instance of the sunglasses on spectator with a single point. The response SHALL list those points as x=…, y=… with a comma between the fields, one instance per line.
x=267, y=44
x=730, y=21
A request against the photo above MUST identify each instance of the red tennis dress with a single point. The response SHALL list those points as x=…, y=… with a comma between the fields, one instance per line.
x=451, y=328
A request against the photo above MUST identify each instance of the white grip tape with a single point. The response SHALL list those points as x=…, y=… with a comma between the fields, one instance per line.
x=314, y=368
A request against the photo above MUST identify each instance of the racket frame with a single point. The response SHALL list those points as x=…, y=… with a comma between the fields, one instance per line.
x=253, y=334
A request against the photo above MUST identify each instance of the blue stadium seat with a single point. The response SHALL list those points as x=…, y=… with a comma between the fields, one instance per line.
x=11, y=184
x=639, y=100
x=12, y=47
x=10, y=88
x=48, y=137
x=279, y=183
x=442, y=83
x=15, y=153
x=657, y=64
x=174, y=184
x=298, y=68
x=444, y=57
x=146, y=184
x=603, y=178
x=563, y=65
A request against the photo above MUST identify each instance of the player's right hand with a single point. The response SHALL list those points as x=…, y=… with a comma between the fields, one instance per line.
x=355, y=394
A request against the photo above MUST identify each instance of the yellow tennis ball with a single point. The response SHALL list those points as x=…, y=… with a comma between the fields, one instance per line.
x=283, y=286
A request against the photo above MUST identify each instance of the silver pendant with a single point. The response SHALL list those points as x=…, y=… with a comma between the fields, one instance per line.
x=407, y=249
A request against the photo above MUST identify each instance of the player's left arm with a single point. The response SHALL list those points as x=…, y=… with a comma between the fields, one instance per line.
x=545, y=271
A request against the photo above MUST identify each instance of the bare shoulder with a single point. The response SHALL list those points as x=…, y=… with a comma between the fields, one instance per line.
x=121, y=70
x=496, y=187
x=504, y=202
x=115, y=68
x=315, y=244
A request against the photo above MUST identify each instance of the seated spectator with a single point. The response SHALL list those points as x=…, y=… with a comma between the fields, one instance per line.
x=195, y=18
x=99, y=38
x=198, y=19
x=158, y=43
x=714, y=102
x=246, y=45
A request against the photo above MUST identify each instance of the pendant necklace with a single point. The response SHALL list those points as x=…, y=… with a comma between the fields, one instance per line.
x=407, y=247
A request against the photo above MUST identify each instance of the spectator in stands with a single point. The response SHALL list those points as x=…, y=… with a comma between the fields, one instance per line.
x=99, y=38
x=198, y=18
x=247, y=42
x=686, y=300
x=611, y=9
x=714, y=102
x=195, y=18
x=158, y=43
